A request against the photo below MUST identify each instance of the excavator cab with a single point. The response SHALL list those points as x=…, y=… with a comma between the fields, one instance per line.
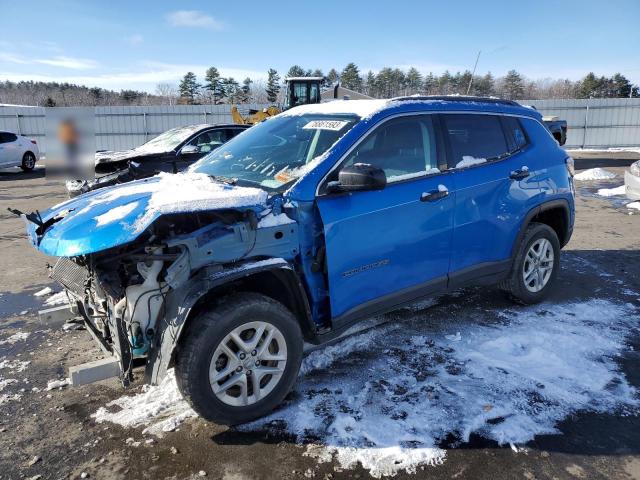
x=302, y=91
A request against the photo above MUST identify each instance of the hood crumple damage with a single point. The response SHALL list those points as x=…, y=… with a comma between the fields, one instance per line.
x=117, y=215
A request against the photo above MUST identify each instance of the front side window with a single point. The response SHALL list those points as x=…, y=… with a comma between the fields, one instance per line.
x=209, y=141
x=404, y=147
x=277, y=151
x=474, y=139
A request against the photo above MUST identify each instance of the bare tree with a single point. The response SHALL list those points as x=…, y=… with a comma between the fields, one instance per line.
x=168, y=92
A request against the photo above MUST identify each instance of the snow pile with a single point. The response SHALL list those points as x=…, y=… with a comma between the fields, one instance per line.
x=115, y=214
x=53, y=384
x=59, y=298
x=160, y=407
x=611, y=192
x=16, y=337
x=271, y=220
x=507, y=379
x=594, y=174
x=43, y=292
x=635, y=205
x=469, y=160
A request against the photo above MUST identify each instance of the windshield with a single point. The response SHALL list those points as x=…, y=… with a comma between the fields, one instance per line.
x=272, y=153
x=168, y=140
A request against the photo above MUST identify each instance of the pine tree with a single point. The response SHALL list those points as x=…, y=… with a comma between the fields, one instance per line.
x=513, y=85
x=296, y=71
x=213, y=85
x=414, y=81
x=332, y=77
x=370, y=84
x=430, y=84
x=273, y=85
x=350, y=77
x=484, y=86
x=246, y=89
x=231, y=89
x=622, y=87
x=189, y=88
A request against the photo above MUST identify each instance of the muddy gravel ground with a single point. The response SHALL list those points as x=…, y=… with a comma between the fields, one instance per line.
x=51, y=433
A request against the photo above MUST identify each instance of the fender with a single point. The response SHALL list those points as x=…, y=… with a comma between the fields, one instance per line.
x=562, y=203
x=181, y=301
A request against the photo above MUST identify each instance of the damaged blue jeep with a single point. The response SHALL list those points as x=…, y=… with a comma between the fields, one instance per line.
x=303, y=225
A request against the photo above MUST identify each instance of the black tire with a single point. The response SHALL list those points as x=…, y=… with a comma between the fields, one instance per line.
x=205, y=334
x=515, y=283
x=28, y=162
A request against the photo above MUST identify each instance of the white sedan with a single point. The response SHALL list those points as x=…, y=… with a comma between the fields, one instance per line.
x=632, y=181
x=18, y=151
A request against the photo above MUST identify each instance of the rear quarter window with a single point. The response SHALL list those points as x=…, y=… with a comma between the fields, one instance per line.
x=474, y=139
x=516, y=132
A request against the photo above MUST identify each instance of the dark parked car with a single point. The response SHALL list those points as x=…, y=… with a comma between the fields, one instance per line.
x=172, y=151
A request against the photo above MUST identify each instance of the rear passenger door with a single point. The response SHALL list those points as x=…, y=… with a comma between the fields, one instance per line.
x=495, y=183
x=389, y=246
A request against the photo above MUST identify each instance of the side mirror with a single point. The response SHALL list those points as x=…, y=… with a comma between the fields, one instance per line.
x=359, y=177
x=189, y=150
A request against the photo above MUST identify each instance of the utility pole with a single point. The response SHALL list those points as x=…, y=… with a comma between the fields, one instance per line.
x=474, y=72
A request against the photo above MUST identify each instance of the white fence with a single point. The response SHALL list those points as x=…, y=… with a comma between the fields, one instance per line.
x=593, y=123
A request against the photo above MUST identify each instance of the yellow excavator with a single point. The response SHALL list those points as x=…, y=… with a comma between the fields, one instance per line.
x=299, y=91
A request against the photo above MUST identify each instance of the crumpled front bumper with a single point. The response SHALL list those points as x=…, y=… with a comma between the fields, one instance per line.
x=631, y=186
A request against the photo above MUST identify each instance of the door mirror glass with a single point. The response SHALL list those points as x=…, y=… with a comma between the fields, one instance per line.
x=359, y=177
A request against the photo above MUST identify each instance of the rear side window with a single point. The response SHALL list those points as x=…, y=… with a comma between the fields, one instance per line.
x=515, y=130
x=475, y=139
x=6, y=137
x=404, y=148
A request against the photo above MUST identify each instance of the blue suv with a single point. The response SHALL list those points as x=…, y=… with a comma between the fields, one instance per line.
x=300, y=227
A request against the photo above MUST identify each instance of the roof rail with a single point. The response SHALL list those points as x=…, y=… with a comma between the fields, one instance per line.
x=457, y=98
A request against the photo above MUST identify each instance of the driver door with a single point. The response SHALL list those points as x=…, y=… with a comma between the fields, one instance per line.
x=390, y=246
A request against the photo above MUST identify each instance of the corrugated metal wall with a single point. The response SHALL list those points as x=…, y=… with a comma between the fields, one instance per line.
x=594, y=123
x=121, y=128
x=597, y=122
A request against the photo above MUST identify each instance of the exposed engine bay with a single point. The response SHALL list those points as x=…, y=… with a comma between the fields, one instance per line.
x=124, y=293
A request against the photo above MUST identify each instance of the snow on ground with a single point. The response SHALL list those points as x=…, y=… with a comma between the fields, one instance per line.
x=14, y=365
x=611, y=149
x=59, y=298
x=161, y=408
x=43, y=292
x=594, y=174
x=611, y=192
x=635, y=205
x=388, y=397
x=16, y=337
x=53, y=384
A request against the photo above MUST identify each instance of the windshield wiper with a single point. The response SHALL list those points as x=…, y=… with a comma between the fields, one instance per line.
x=227, y=180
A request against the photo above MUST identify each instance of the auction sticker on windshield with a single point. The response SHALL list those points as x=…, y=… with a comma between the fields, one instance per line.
x=334, y=125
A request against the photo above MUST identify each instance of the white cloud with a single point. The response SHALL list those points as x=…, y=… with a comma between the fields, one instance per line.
x=145, y=79
x=193, y=18
x=135, y=39
x=69, y=62
x=11, y=58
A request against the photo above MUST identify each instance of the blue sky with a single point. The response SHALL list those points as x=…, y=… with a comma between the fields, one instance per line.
x=137, y=44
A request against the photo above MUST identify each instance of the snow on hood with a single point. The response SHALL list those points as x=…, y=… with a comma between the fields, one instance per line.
x=116, y=215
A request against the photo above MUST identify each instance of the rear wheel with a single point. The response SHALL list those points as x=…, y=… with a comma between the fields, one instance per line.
x=536, y=265
x=240, y=359
x=28, y=162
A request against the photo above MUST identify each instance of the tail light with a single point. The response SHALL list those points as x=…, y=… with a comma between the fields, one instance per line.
x=34, y=142
x=571, y=168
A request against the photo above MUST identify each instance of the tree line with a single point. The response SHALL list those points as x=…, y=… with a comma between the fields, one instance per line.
x=388, y=82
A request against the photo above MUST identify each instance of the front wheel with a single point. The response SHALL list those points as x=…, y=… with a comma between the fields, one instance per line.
x=536, y=265
x=239, y=360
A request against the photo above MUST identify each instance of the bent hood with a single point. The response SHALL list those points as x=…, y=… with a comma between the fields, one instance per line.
x=117, y=215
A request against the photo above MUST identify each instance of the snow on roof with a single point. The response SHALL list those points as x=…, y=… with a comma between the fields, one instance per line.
x=361, y=108
x=288, y=79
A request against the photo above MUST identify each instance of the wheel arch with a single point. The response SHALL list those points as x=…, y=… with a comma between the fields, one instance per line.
x=275, y=278
x=554, y=213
